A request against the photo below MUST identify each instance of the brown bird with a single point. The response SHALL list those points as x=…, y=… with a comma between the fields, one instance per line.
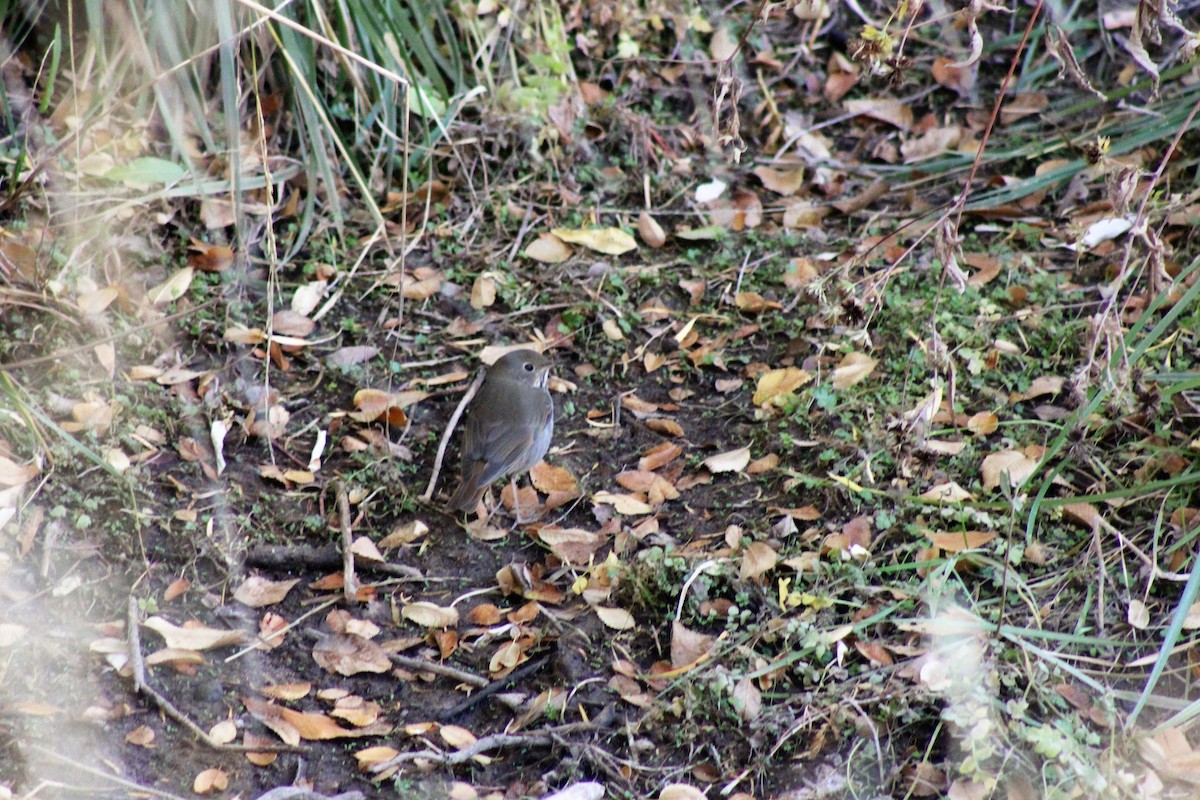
x=508, y=428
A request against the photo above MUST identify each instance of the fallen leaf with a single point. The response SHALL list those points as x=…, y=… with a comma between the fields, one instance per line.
x=958, y=541
x=257, y=591
x=730, y=461
x=194, y=638
x=779, y=383
x=429, y=615
x=610, y=241
x=853, y=368
x=616, y=618
x=757, y=559
x=1016, y=464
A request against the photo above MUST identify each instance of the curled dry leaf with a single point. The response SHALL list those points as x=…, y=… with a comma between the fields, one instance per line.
x=308, y=297
x=730, y=461
x=210, y=781
x=650, y=231
x=374, y=756
x=288, y=323
x=428, y=615
x=747, y=699
x=172, y=288
x=350, y=654
x=949, y=492
x=405, y=533
x=456, y=736
x=374, y=404
x=784, y=182
x=198, y=638
x=548, y=249
x=616, y=618
x=983, y=424
x=659, y=456
x=610, y=241
x=142, y=736
x=625, y=504
x=775, y=385
x=854, y=367
x=754, y=303
x=224, y=731
x=572, y=545
x=1015, y=463
x=257, y=591
x=1138, y=615
x=547, y=478
x=14, y=474
x=688, y=647
x=483, y=292
x=958, y=541
x=885, y=109
x=758, y=559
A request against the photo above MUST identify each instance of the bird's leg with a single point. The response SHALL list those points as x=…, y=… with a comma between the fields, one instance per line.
x=516, y=502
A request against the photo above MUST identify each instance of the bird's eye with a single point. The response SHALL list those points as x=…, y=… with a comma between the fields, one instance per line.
x=528, y=367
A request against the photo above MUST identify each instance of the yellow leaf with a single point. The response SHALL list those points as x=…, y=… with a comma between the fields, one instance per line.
x=610, y=241
x=779, y=382
x=854, y=368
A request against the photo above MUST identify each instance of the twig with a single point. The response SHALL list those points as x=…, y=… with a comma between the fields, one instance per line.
x=445, y=670
x=349, y=579
x=513, y=677
x=543, y=738
x=450, y=426
x=324, y=557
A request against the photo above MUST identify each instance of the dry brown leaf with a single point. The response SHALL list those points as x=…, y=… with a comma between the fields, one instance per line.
x=194, y=638
x=572, y=545
x=429, y=615
x=1171, y=755
x=949, y=492
x=1022, y=105
x=765, y=464
x=350, y=654
x=656, y=457
x=650, y=231
x=610, y=241
x=624, y=504
x=983, y=423
x=952, y=76
x=854, y=367
x=1015, y=463
x=782, y=182
x=616, y=618
x=755, y=303
x=172, y=288
x=758, y=559
x=958, y=541
x=483, y=291
x=688, y=647
x=747, y=699
x=1046, y=384
x=776, y=384
x=730, y=461
x=885, y=109
x=257, y=591
x=665, y=427
x=210, y=781
x=456, y=736
x=141, y=736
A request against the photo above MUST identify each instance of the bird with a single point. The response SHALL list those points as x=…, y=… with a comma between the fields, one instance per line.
x=509, y=426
